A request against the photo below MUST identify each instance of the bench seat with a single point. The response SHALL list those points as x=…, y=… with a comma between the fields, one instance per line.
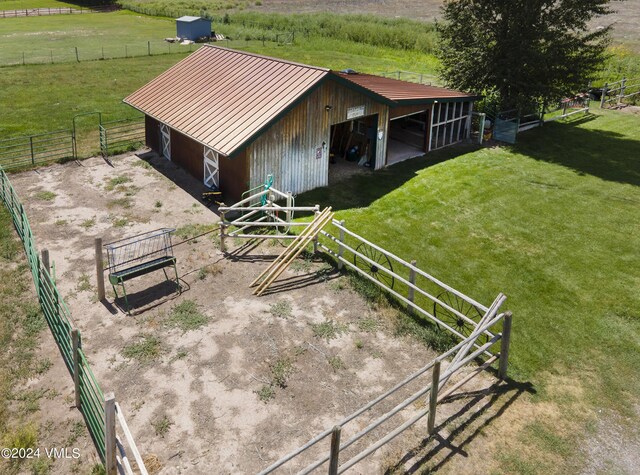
x=141, y=269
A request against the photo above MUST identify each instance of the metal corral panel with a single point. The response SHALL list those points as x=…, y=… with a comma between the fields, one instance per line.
x=221, y=98
x=395, y=90
x=292, y=149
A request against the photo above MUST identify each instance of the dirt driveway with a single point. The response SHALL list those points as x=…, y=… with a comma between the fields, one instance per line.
x=216, y=380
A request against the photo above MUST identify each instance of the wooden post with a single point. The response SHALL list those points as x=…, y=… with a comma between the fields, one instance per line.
x=33, y=158
x=623, y=84
x=99, y=269
x=411, y=293
x=289, y=205
x=604, y=94
x=75, y=341
x=110, y=434
x=45, y=260
x=340, y=248
x=335, y=451
x=77, y=57
x=149, y=47
x=315, y=239
x=433, y=398
x=223, y=229
x=504, y=346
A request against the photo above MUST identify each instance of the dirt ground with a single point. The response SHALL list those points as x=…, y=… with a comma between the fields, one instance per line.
x=257, y=376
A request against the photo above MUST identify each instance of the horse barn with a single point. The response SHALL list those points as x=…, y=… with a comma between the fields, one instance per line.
x=231, y=118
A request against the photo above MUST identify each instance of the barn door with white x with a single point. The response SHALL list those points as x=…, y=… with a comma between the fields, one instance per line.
x=165, y=138
x=211, y=168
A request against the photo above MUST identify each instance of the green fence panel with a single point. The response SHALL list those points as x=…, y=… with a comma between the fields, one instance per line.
x=55, y=310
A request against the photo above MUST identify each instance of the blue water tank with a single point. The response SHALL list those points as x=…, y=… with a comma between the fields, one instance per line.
x=193, y=27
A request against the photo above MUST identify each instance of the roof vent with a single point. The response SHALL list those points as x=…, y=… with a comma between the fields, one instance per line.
x=349, y=71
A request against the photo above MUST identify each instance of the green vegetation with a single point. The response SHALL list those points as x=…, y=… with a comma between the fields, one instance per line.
x=22, y=4
x=113, y=182
x=551, y=222
x=146, y=349
x=266, y=393
x=88, y=223
x=190, y=231
x=46, y=196
x=328, y=330
x=162, y=425
x=336, y=363
x=281, y=309
x=280, y=371
x=186, y=316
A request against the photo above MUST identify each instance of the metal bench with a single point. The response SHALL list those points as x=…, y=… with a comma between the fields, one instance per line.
x=140, y=255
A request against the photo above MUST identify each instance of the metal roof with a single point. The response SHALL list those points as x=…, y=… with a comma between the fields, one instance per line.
x=221, y=97
x=191, y=18
x=400, y=91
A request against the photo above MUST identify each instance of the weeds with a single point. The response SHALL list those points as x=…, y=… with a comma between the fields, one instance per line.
x=211, y=269
x=88, y=223
x=60, y=222
x=83, y=283
x=280, y=372
x=112, y=183
x=190, y=231
x=125, y=203
x=186, y=316
x=266, y=393
x=120, y=222
x=281, y=309
x=328, y=330
x=368, y=324
x=162, y=425
x=336, y=363
x=46, y=196
x=146, y=349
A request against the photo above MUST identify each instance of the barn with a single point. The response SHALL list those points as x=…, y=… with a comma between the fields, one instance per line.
x=231, y=118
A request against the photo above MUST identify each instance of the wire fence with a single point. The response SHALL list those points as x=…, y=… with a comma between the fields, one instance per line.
x=80, y=53
x=24, y=12
x=89, y=398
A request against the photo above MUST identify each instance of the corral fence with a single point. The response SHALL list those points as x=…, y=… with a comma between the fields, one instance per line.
x=30, y=150
x=120, y=136
x=620, y=93
x=99, y=410
x=24, y=12
x=471, y=322
x=410, y=76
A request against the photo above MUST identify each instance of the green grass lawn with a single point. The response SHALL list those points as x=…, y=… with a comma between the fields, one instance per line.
x=47, y=39
x=553, y=222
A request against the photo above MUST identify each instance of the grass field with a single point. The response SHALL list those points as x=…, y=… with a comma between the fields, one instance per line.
x=553, y=223
x=47, y=39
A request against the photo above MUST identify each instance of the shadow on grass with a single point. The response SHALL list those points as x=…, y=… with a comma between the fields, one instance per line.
x=482, y=408
x=363, y=189
x=605, y=154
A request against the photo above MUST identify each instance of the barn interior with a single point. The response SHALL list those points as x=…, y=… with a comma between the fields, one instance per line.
x=407, y=137
x=352, y=146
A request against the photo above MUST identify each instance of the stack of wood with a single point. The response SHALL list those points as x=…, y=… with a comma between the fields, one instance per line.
x=284, y=260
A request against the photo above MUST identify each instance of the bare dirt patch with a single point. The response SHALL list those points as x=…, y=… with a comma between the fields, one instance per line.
x=215, y=379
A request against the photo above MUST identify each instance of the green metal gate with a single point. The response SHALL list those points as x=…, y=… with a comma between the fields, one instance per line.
x=120, y=136
x=30, y=150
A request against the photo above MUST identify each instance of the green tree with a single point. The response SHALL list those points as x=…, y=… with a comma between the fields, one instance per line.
x=522, y=52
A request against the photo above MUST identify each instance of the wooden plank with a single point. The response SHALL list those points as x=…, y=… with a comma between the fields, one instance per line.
x=132, y=445
x=335, y=451
x=110, y=434
x=99, y=268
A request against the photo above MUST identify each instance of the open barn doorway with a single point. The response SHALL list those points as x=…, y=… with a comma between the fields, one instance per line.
x=407, y=137
x=353, y=147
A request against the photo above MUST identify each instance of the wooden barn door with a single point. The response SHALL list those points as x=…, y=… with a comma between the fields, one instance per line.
x=211, y=168
x=165, y=141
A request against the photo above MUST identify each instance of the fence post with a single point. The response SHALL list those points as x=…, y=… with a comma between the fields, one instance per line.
x=75, y=342
x=411, y=292
x=99, y=268
x=223, y=228
x=289, y=205
x=504, y=345
x=623, y=84
x=126, y=51
x=315, y=239
x=335, y=450
x=433, y=397
x=45, y=260
x=149, y=47
x=77, y=57
x=33, y=158
x=604, y=94
x=340, y=248
x=110, y=434
x=23, y=58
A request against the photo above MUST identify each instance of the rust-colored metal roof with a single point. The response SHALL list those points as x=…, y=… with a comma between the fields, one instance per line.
x=221, y=97
x=399, y=91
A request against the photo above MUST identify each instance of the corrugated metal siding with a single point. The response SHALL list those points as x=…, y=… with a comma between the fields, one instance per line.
x=288, y=148
x=396, y=90
x=222, y=97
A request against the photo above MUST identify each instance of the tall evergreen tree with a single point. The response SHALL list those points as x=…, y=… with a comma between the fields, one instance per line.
x=522, y=51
